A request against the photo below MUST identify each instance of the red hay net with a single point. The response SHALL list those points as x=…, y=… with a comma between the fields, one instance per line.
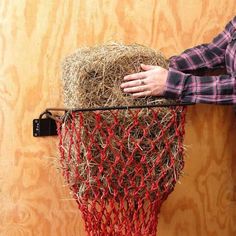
x=121, y=171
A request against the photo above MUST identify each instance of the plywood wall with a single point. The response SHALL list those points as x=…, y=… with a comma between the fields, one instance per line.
x=34, y=38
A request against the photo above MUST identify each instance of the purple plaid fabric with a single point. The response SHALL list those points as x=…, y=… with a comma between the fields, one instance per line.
x=205, y=89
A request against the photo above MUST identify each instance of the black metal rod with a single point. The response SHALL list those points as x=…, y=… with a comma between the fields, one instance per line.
x=49, y=111
x=117, y=107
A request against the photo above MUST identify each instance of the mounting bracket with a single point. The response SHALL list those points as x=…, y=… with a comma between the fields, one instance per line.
x=44, y=126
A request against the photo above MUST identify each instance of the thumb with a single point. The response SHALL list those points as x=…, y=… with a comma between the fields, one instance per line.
x=147, y=67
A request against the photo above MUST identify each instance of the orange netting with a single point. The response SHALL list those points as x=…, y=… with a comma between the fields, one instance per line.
x=121, y=172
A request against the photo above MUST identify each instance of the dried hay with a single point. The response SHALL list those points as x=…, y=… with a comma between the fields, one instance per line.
x=92, y=78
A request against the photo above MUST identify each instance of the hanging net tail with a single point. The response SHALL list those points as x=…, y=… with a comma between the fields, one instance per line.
x=121, y=165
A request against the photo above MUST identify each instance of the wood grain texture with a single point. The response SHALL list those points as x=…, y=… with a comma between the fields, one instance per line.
x=35, y=36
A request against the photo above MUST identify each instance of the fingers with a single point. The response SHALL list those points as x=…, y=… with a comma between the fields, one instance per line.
x=150, y=82
x=135, y=76
x=140, y=75
x=148, y=67
x=136, y=89
x=142, y=94
x=133, y=83
x=146, y=93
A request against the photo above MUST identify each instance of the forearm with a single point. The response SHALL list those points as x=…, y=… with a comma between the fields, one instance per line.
x=196, y=89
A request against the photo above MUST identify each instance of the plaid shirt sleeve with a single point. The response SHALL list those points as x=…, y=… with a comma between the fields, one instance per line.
x=201, y=89
x=206, y=55
x=204, y=89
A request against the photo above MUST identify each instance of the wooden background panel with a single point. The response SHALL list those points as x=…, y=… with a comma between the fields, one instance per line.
x=204, y=203
x=35, y=36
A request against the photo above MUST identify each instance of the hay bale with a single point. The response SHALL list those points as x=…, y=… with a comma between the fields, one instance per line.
x=92, y=76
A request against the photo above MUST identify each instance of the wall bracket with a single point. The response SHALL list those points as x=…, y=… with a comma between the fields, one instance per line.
x=44, y=126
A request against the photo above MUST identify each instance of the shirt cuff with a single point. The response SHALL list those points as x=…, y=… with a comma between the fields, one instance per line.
x=175, y=84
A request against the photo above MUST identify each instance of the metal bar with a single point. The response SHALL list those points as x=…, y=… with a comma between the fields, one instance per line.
x=49, y=111
x=118, y=107
x=47, y=126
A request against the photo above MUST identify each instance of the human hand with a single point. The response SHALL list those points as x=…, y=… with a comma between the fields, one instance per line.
x=150, y=82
